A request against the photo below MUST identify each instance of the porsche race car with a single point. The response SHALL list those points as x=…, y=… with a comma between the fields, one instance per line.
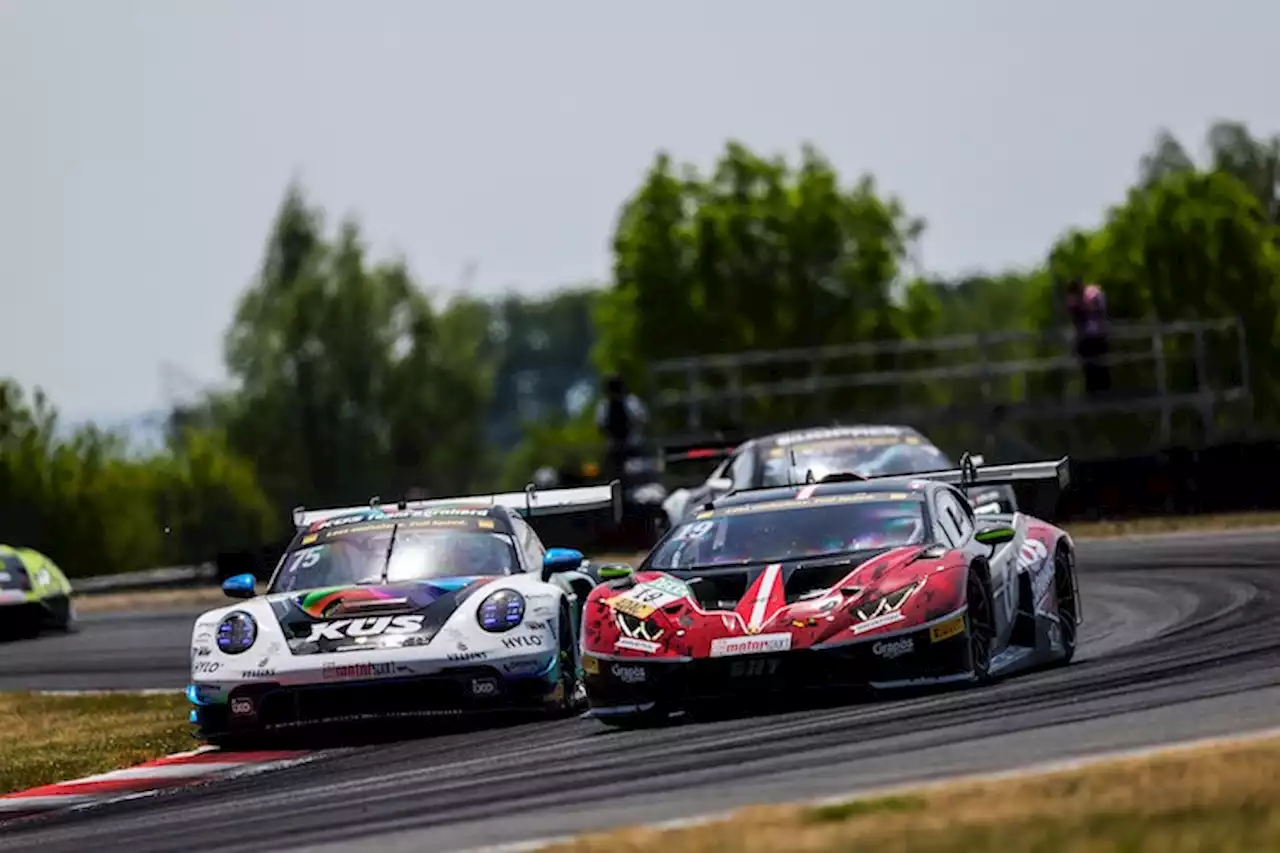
x=34, y=594
x=400, y=610
x=853, y=582
x=783, y=458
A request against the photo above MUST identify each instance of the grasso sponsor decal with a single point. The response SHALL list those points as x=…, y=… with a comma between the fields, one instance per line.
x=946, y=630
x=368, y=627
x=337, y=671
x=894, y=648
x=725, y=646
x=628, y=674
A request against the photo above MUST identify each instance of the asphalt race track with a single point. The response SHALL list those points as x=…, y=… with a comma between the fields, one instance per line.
x=1181, y=640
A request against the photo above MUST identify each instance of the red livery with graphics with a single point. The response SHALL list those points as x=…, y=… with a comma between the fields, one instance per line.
x=850, y=581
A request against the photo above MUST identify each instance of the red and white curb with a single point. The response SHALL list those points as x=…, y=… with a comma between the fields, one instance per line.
x=172, y=771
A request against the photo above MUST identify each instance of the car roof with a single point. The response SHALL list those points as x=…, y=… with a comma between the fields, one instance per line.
x=907, y=484
x=826, y=433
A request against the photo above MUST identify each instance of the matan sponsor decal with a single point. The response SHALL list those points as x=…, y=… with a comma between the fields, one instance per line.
x=946, y=630
x=758, y=644
x=341, y=671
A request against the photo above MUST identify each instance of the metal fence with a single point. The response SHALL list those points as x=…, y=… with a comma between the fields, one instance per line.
x=1170, y=382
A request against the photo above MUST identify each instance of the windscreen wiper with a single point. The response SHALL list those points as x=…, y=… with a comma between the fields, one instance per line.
x=391, y=544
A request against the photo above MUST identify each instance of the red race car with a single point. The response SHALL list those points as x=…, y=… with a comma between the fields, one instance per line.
x=847, y=582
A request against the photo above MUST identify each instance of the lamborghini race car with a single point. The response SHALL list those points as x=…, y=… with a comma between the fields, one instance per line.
x=398, y=611
x=782, y=458
x=34, y=593
x=851, y=582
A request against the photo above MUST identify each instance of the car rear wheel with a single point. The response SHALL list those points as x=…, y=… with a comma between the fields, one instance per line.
x=980, y=626
x=1068, y=607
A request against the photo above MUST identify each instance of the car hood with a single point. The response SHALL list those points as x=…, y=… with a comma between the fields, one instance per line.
x=813, y=602
x=351, y=618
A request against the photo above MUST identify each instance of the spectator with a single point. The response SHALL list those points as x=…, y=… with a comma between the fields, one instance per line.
x=620, y=417
x=1087, y=305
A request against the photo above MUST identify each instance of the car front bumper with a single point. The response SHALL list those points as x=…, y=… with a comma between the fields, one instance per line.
x=904, y=659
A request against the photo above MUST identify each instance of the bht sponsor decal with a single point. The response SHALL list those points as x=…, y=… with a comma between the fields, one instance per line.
x=628, y=674
x=335, y=671
x=484, y=687
x=725, y=646
x=525, y=641
x=242, y=708
x=890, y=649
x=371, y=626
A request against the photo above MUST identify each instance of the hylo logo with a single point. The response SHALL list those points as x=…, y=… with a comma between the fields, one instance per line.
x=368, y=627
x=527, y=640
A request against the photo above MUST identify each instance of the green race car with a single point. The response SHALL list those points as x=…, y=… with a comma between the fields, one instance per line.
x=34, y=593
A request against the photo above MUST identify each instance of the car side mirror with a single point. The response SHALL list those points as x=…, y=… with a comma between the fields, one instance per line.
x=614, y=571
x=240, y=586
x=995, y=535
x=558, y=560
x=720, y=484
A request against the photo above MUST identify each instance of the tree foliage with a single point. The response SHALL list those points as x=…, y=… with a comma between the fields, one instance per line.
x=350, y=380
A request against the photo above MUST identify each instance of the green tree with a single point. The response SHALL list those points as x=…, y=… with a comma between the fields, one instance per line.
x=755, y=256
x=348, y=382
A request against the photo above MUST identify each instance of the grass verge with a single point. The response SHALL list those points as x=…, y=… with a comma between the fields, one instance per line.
x=1224, y=798
x=1172, y=524
x=49, y=739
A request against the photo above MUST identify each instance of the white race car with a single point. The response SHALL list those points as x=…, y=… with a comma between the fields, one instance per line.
x=400, y=610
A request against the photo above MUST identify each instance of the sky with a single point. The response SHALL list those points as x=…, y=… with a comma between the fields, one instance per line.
x=145, y=146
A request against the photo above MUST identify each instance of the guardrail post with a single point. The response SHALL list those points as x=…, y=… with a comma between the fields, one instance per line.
x=1162, y=385
x=1204, y=386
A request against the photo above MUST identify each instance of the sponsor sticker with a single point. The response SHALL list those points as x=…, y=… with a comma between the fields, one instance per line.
x=206, y=666
x=946, y=630
x=631, y=607
x=341, y=671
x=371, y=626
x=890, y=649
x=528, y=641
x=242, y=707
x=878, y=622
x=627, y=674
x=636, y=645
x=484, y=687
x=465, y=656
x=668, y=585
x=726, y=646
x=590, y=665
x=258, y=673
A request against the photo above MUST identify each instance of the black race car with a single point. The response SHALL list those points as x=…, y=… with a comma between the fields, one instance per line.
x=802, y=455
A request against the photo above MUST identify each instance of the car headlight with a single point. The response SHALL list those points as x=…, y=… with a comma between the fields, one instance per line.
x=501, y=611
x=891, y=602
x=236, y=633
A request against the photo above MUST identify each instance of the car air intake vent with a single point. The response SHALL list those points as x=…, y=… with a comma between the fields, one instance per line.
x=719, y=591
x=809, y=581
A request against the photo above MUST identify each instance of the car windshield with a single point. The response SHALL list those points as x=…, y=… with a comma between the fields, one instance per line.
x=874, y=456
x=353, y=556
x=783, y=530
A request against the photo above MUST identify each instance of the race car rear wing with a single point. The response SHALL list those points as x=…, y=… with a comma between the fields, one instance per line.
x=532, y=502
x=973, y=473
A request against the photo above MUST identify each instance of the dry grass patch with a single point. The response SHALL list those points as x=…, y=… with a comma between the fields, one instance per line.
x=1223, y=799
x=152, y=599
x=47, y=739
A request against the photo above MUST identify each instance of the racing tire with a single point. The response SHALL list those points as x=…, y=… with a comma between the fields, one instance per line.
x=979, y=619
x=1068, y=606
x=573, y=694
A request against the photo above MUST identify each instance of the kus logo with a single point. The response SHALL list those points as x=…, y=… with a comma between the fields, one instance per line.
x=372, y=626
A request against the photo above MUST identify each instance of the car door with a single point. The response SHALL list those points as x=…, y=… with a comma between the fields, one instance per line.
x=956, y=521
